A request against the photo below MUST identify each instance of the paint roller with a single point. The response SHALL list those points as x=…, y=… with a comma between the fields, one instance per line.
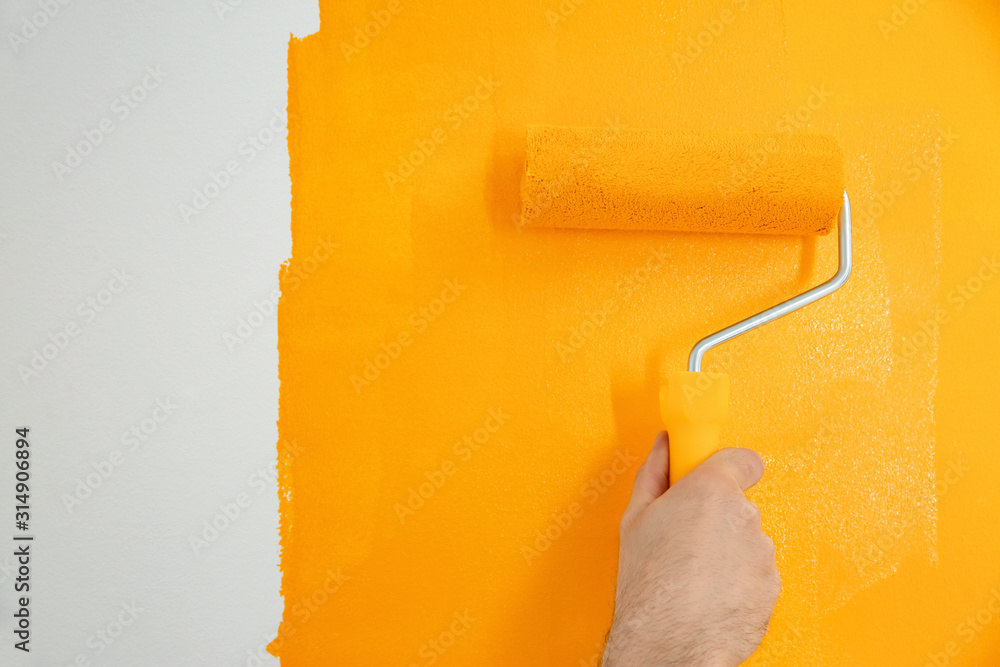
x=656, y=179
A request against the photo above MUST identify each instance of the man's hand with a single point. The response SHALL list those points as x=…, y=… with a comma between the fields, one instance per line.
x=697, y=580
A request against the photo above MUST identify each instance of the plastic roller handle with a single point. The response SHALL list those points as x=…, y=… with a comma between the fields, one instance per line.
x=693, y=407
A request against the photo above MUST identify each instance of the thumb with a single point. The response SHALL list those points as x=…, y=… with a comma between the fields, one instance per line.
x=651, y=479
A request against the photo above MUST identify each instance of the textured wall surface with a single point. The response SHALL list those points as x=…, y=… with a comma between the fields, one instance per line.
x=469, y=401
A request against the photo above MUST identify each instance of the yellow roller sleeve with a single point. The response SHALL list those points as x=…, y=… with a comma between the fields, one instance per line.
x=652, y=178
x=693, y=407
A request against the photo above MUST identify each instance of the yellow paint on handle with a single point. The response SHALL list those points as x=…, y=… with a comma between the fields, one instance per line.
x=693, y=407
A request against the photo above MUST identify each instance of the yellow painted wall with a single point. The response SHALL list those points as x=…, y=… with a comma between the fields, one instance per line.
x=454, y=389
x=944, y=56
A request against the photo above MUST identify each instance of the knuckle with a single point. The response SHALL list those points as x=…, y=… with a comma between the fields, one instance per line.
x=775, y=585
x=743, y=514
x=743, y=465
x=748, y=463
x=771, y=555
x=750, y=512
x=625, y=523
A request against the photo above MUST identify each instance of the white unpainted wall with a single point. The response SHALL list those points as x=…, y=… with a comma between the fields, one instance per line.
x=121, y=313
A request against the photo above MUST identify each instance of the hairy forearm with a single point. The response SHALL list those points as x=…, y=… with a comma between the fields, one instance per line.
x=628, y=649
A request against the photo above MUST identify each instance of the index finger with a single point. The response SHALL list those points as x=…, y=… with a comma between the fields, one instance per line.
x=744, y=465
